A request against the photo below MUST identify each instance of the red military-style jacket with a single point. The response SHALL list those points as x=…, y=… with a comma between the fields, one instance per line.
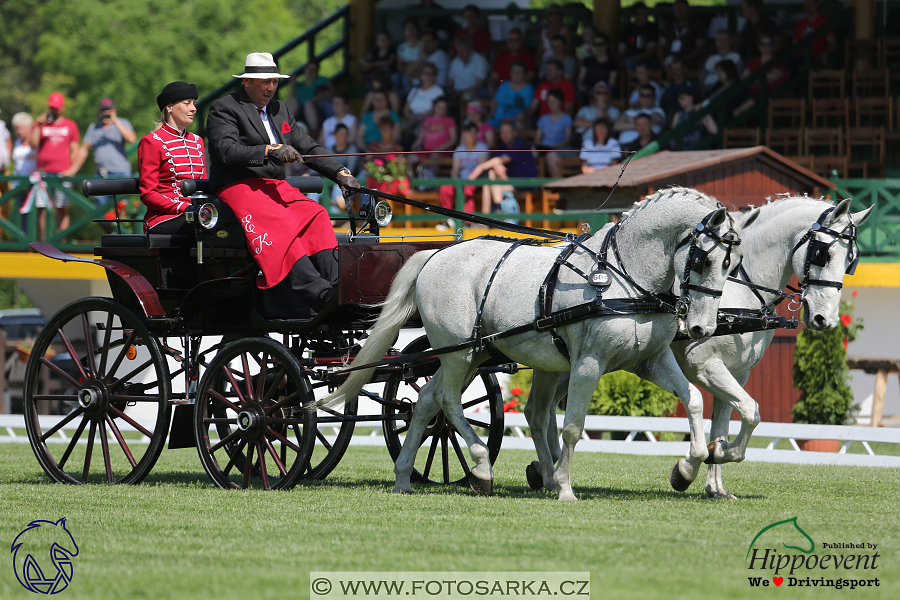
x=164, y=157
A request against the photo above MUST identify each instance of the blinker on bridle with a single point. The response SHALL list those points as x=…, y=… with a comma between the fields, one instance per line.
x=817, y=250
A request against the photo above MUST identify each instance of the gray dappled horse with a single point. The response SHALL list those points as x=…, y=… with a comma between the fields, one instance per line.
x=446, y=288
x=804, y=236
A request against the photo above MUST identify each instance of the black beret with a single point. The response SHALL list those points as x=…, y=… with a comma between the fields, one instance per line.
x=176, y=91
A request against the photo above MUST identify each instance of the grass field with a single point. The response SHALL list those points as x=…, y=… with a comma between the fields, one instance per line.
x=176, y=536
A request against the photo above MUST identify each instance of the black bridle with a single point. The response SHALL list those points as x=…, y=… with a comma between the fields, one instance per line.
x=817, y=251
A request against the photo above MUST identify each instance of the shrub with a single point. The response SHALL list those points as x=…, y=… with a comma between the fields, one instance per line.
x=621, y=393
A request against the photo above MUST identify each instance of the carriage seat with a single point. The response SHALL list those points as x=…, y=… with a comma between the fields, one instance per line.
x=143, y=240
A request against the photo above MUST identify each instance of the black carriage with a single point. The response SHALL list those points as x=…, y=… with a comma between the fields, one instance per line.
x=188, y=328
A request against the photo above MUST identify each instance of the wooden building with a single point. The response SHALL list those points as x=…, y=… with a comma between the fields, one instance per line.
x=737, y=178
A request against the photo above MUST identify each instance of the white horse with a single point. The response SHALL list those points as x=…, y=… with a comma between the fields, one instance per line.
x=446, y=288
x=777, y=245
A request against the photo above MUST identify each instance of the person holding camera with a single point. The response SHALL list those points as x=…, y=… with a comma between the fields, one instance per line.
x=252, y=137
x=56, y=139
x=107, y=136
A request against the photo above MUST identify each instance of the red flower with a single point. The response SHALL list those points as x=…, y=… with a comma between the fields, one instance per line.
x=517, y=391
x=379, y=162
x=390, y=156
x=846, y=320
x=853, y=293
x=109, y=215
x=845, y=343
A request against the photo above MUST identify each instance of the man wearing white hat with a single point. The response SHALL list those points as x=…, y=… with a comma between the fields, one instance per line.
x=251, y=137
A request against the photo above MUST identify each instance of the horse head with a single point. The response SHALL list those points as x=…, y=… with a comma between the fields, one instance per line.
x=821, y=257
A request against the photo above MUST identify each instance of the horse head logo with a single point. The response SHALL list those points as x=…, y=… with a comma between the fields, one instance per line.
x=30, y=552
x=789, y=533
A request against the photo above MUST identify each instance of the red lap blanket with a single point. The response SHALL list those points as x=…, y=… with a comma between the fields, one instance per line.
x=281, y=225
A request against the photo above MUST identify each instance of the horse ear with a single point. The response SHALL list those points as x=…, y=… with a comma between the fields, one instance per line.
x=860, y=217
x=746, y=219
x=718, y=217
x=841, y=210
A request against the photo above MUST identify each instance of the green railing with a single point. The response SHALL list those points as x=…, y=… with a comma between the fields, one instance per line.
x=879, y=236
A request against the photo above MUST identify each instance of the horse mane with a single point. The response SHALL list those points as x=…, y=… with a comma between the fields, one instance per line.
x=670, y=192
x=770, y=209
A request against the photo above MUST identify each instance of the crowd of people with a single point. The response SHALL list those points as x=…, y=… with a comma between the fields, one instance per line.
x=562, y=89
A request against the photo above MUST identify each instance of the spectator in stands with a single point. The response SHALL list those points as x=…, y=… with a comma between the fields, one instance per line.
x=727, y=76
x=514, y=53
x=755, y=25
x=469, y=154
x=554, y=79
x=643, y=125
x=724, y=51
x=443, y=26
x=435, y=55
x=823, y=48
x=558, y=51
x=625, y=125
x=684, y=37
x=475, y=31
x=598, y=66
x=369, y=129
x=56, y=138
x=475, y=112
x=687, y=100
x=468, y=73
x=599, y=108
x=642, y=74
x=409, y=57
x=640, y=38
x=341, y=116
x=382, y=59
x=554, y=130
x=437, y=133
x=678, y=83
x=553, y=27
x=588, y=31
x=513, y=96
x=388, y=141
x=342, y=145
x=303, y=90
x=381, y=82
x=775, y=78
x=318, y=109
x=24, y=157
x=601, y=150
x=420, y=101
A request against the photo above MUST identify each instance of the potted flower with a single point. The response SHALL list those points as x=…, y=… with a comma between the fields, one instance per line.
x=388, y=174
x=820, y=373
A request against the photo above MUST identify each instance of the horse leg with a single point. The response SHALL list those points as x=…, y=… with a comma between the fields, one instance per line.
x=585, y=376
x=562, y=388
x=721, y=415
x=542, y=422
x=716, y=377
x=426, y=408
x=664, y=372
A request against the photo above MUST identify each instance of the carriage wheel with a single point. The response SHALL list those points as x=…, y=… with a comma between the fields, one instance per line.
x=330, y=446
x=114, y=390
x=252, y=423
x=446, y=459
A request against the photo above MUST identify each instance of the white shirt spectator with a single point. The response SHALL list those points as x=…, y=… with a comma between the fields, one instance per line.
x=420, y=101
x=440, y=59
x=465, y=75
x=331, y=122
x=607, y=153
x=629, y=135
x=590, y=112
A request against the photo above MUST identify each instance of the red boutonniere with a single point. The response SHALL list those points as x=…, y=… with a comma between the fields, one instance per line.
x=285, y=128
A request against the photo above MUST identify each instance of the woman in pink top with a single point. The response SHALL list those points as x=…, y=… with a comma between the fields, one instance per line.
x=438, y=132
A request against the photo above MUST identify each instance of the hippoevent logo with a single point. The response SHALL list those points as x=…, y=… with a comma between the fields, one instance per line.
x=784, y=554
x=42, y=556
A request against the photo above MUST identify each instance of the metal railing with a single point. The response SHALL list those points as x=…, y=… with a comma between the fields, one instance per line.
x=879, y=236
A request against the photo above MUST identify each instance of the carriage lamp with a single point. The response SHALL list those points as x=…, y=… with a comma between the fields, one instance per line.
x=383, y=213
x=208, y=216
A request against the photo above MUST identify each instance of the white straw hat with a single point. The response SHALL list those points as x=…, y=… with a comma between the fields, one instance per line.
x=261, y=65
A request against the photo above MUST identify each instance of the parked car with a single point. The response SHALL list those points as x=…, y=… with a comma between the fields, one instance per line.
x=21, y=323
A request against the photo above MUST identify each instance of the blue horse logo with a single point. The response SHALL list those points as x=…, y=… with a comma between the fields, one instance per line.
x=33, y=545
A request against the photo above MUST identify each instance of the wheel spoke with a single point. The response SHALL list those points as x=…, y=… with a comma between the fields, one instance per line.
x=248, y=381
x=263, y=370
x=73, y=354
x=63, y=422
x=234, y=384
x=88, y=452
x=232, y=458
x=72, y=442
x=129, y=377
x=104, y=443
x=131, y=421
x=123, y=398
x=60, y=372
x=321, y=437
x=224, y=441
x=115, y=429
x=223, y=421
x=89, y=342
x=262, y=465
x=278, y=462
x=274, y=389
x=403, y=429
x=104, y=355
x=248, y=463
x=123, y=352
x=284, y=440
x=472, y=403
x=445, y=459
x=459, y=453
x=476, y=423
x=215, y=394
x=289, y=398
x=431, y=451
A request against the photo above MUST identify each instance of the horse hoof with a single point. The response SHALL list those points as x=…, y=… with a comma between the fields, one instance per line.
x=678, y=481
x=400, y=490
x=483, y=487
x=533, y=475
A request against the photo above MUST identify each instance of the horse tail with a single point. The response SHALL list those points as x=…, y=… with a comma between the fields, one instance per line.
x=396, y=310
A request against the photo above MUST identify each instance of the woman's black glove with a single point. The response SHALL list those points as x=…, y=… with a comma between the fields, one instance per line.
x=347, y=182
x=285, y=154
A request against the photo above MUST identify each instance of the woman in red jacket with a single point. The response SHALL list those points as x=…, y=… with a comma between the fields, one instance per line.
x=168, y=154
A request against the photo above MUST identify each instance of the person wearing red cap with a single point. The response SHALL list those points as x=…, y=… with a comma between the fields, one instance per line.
x=56, y=139
x=107, y=137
